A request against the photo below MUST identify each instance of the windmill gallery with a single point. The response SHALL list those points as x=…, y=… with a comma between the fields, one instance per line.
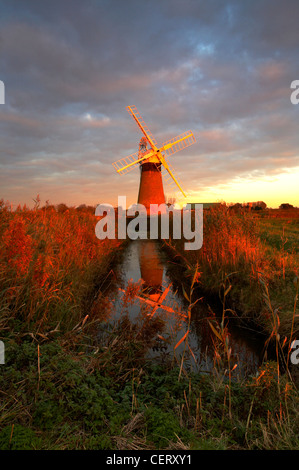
x=151, y=198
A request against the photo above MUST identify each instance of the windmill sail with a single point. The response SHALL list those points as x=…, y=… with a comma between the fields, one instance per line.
x=169, y=176
x=178, y=143
x=142, y=126
x=124, y=165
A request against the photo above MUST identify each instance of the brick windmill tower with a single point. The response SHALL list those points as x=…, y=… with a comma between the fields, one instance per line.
x=153, y=162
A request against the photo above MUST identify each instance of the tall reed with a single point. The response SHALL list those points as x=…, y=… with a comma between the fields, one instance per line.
x=47, y=256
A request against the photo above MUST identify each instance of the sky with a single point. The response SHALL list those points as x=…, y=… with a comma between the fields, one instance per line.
x=222, y=69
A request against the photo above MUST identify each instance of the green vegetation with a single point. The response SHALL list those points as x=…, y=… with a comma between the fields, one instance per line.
x=280, y=234
x=72, y=393
x=253, y=261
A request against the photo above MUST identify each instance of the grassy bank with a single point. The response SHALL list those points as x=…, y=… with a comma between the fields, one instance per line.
x=49, y=260
x=73, y=381
x=72, y=392
x=250, y=264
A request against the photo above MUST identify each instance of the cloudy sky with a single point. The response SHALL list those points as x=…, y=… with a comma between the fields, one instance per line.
x=220, y=68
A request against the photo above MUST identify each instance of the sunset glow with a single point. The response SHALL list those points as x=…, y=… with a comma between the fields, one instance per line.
x=149, y=228
x=275, y=190
x=224, y=72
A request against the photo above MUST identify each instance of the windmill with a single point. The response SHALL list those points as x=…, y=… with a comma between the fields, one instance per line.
x=153, y=162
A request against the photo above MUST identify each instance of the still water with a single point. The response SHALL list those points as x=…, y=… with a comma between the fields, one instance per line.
x=147, y=291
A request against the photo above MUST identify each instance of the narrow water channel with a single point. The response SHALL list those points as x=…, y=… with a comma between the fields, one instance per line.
x=145, y=289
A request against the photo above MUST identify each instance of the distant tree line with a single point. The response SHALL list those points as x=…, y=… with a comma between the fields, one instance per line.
x=253, y=206
x=286, y=205
x=62, y=207
x=258, y=206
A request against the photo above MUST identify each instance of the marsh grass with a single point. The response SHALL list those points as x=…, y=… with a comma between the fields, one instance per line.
x=65, y=387
x=256, y=280
x=48, y=259
x=81, y=391
x=241, y=248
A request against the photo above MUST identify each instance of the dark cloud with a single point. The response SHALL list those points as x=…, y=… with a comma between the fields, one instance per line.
x=220, y=68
